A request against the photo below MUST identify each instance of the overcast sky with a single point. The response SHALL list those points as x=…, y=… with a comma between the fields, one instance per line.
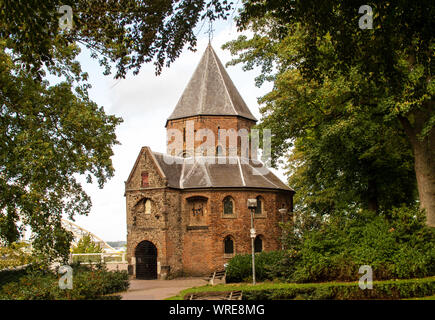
x=144, y=102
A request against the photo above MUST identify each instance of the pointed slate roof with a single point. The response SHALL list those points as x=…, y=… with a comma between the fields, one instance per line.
x=210, y=91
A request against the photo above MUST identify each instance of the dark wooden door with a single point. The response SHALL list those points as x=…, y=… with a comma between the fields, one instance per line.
x=146, y=260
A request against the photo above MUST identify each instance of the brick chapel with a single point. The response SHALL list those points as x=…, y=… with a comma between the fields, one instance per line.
x=187, y=216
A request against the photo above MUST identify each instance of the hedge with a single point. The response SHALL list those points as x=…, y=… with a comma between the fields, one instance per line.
x=391, y=289
x=88, y=283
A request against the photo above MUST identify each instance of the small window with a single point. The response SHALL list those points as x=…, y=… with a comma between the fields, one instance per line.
x=144, y=182
x=148, y=206
x=258, y=244
x=229, y=245
x=228, y=205
x=219, y=151
x=259, y=208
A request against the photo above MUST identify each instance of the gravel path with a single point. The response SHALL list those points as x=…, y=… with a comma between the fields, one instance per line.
x=159, y=289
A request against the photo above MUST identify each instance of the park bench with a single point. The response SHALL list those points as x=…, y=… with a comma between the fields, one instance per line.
x=216, y=277
x=234, y=295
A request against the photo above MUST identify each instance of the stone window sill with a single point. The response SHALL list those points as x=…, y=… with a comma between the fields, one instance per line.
x=229, y=216
x=228, y=255
x=260, y=215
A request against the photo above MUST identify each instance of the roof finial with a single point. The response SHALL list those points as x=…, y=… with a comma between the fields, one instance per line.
x=210, y=30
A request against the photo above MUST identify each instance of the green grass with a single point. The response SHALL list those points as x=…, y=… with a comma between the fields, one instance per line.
x=422, y=298
x=300, y=287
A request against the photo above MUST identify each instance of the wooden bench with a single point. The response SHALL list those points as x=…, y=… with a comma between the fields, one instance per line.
x=234, y=295
x=216, y=277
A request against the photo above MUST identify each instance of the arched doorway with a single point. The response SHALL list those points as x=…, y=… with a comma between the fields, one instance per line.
x=146, y=260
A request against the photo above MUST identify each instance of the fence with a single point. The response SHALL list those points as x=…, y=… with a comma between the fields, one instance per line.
x=94, y=258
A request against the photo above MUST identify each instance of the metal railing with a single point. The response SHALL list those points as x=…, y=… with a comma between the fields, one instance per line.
x=94, y=258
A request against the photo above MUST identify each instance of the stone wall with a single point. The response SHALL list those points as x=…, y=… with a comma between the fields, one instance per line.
x=212, y=123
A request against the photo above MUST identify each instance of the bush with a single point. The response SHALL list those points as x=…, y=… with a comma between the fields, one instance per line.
x=88, y=283
x=346, y=291
x=240, y=266
x=397, y=246
x=14, y=255
x=7, y=276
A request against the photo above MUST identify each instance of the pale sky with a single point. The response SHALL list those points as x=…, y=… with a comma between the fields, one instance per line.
x=144, y=102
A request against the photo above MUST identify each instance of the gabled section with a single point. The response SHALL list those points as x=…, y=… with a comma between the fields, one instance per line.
x=146, y=162
x=210, y=91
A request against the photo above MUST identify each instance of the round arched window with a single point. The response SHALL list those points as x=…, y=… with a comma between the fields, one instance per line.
x=258, y=244
x=228, y=245
x=259, y=208
x=228, y=205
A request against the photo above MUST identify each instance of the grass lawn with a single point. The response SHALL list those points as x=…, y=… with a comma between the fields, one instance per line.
x=277, y=286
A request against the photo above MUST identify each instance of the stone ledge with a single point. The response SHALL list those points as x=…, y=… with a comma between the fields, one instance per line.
x=188, y=228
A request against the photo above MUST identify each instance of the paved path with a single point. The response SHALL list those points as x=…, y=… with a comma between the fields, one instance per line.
x=159, y=289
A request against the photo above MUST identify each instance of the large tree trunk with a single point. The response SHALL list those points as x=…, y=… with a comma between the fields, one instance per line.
x=424, y=161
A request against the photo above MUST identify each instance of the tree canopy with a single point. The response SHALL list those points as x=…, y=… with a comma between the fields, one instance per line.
x=333, y=79
x=127, y=33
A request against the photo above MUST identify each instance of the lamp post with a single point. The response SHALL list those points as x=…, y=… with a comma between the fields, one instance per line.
x=252, y=205
x=283, y=211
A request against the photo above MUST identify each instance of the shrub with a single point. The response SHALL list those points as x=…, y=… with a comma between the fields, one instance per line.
x=88, y=283
x=396, y=245
x=346, y=291
x=240, y=266
x=14, y=255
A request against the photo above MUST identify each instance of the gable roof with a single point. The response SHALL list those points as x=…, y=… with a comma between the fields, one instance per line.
x=210, y=91
x=136, y=163
x=203, y=173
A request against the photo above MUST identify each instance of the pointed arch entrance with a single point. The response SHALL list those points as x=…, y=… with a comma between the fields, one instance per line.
x=146, y=260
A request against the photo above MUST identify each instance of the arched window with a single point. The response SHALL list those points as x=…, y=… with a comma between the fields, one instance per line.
x=259, y=208
x=147, y=206
x=143, y=206
x=228, y=205
x=228, y=245
x=258, y=244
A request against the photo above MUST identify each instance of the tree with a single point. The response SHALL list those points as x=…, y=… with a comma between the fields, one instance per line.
x=127, y=33
x=394, y=62
x=49, y=135
x=87, y=245
x=52, y=133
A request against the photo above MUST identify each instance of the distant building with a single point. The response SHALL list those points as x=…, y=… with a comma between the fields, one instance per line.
x=189, y=216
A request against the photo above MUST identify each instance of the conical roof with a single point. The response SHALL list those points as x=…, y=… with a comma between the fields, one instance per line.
x=210, y=91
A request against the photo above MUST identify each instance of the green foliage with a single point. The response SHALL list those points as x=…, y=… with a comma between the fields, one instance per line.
x=88, y=283
x=391, y=289
x=240, y=266
x=13, y=275
x=14, y=255
x=51, y=134
x=381, y=290
x=352, y=102
x=397, y=246
x=87, y=245
x=127, y=33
